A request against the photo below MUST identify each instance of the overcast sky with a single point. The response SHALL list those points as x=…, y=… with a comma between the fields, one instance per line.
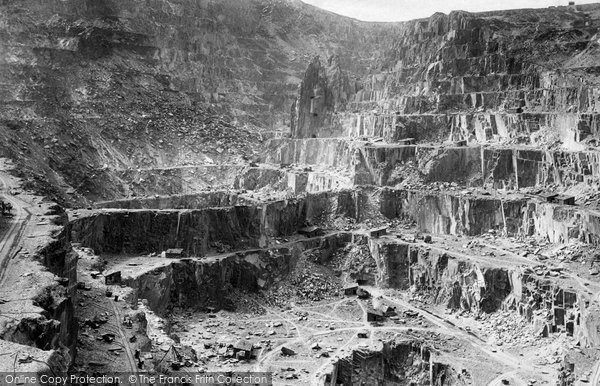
x=399, y=10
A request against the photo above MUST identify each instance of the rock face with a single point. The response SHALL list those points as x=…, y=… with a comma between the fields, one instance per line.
x=400, y=362
x=149, y=231
x=242, y=222
x=526, y=107
x=197, y=283
x=457, y=284
x=188, y=201
x=198, y=230
x=469, y=67
x=321, y=93
x=201, y=283
x=461, y=284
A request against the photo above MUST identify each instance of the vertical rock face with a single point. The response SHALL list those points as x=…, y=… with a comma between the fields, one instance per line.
x=200, y=283
x=558, y=223
x=450, y=164
x=201, y=229
x=461, y=284
x=196, y=231
x=323, y=91
x=147, y=231
x=313, y=103
x=463, y=64
x=399, y=362
x=497, y=78
x=457, y=284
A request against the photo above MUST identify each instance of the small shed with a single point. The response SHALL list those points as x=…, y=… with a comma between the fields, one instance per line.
x=377, y=232
x=548, y=197
x=407, y=141
x=374, y=315
x=387, y=310
x=351, y=289
x=210, y=310
x=362, y=293
x=287, y=351
x=174, y=253
x=311, y=231
x=244, y=349
x=113, y=278
x=564, y=199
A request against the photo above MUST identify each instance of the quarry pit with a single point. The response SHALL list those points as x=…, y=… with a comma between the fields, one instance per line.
x=457, y=285
x=329, y=201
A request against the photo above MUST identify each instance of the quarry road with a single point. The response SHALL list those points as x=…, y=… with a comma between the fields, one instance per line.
x=509, y=260
x=10, y=239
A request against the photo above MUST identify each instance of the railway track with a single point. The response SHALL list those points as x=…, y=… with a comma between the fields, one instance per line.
x=11, y=239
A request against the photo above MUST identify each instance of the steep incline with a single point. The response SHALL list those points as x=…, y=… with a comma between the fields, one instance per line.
x=91, y=86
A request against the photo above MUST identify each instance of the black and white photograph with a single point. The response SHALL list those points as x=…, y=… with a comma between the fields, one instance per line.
x=299, y=192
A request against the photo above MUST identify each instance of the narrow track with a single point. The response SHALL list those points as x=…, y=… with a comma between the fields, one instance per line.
x=9, y=244
x=126, y=346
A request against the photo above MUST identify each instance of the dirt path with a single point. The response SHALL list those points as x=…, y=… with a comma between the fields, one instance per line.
x=9, y=244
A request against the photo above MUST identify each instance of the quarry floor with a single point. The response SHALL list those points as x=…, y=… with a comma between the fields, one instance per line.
x=490, y=349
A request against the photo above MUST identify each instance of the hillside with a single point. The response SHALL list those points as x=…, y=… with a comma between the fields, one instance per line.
x=89, y=87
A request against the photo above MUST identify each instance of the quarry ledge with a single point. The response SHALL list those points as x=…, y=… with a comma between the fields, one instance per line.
x=249, y=224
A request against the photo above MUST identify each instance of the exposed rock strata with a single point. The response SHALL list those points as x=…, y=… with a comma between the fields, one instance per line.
x=462, y=284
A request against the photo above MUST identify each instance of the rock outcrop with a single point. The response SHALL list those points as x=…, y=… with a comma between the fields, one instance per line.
x=201, y=283
x=324, y=90
x=465, y=285
x=402, y=362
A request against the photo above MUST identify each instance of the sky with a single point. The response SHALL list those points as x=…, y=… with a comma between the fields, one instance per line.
x=400, y=10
